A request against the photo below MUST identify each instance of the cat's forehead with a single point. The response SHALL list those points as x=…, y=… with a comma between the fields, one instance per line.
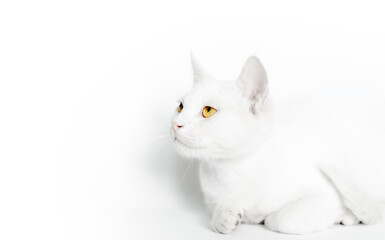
x=208, y=93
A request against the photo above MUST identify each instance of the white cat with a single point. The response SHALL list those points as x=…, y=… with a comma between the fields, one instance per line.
x=272, y=164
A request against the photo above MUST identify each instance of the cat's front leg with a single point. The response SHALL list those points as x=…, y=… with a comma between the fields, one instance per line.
x=226, y=217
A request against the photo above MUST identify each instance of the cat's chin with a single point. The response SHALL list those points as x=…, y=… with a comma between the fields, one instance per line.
x=201, y=153
x=188, y=151
x=184, y=146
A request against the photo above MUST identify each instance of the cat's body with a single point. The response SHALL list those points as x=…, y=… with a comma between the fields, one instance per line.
x=265, y=162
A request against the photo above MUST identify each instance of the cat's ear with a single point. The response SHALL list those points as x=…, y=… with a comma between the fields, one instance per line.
x=200, y=74
x=253, y=82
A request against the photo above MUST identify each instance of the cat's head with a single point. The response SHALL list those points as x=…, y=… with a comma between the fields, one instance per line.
x=218, y=119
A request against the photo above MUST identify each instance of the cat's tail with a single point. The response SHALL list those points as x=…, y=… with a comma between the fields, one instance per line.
x=366, y=209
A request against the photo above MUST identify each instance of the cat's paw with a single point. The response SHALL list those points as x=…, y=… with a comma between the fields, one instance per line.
x=349, y=219
x=226, y=219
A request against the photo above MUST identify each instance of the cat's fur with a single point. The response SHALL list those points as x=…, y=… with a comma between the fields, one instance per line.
x=260, y=162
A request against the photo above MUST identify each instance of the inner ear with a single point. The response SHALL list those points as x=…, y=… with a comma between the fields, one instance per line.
x=253, y=83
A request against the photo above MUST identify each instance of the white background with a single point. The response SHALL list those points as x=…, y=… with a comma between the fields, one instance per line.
x=87, y=89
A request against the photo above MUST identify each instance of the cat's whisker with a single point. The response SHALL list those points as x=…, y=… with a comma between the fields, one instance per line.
x=161, y=145
x=185, y=172
x=159, y=137
x=168, y=141
x=161, y=132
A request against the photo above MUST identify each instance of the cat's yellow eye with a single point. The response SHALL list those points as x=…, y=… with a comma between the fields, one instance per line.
x=208, y=111
x=180, y=107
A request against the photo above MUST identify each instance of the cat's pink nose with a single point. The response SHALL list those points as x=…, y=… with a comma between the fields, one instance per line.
x=175, y=126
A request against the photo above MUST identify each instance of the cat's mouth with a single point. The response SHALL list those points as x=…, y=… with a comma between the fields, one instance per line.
x=180, y=142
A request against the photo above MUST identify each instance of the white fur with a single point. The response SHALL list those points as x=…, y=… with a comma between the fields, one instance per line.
x=260, y=161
